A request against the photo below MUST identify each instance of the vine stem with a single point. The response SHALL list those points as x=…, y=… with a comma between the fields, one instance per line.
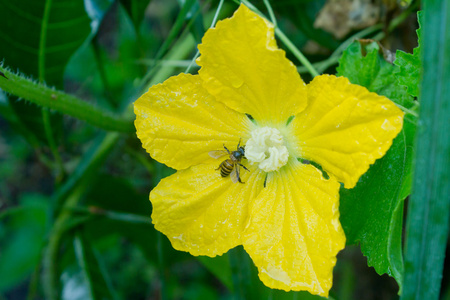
x=71, y=193
x=271, y=14
x=67, y=104
x=299, y=55
x=197, y=54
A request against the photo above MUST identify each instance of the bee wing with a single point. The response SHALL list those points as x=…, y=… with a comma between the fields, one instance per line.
x=217, y=153
x=234, y=175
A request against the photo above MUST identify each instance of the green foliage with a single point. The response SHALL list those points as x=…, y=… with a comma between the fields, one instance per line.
x=95, y=278
x=87, y=229
x=428, y=218
x=66, y=27
x=411, y=65
x=188, y=7
x=220, y=267
x=372, y=212
x=303, y=17
x=108, y=194
x=22, y=236
x=41, y=38
x=246, y=284
x=136, y=10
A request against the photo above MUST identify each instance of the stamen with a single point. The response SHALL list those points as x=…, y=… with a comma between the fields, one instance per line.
x=266, y=147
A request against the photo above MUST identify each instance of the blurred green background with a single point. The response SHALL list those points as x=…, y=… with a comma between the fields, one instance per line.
x=74, y=210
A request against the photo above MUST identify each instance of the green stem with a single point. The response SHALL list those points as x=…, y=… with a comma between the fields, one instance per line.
x=51, y=256
x=52, y=143
x=216, y=15
x=403, y=16
x=321, y=66
x=406, y=110
x=110, y=214
x=174, y=32
x=181, y=63
x=74, y=189
x=271, y=14
x=336, y=55
x=80, y=254
x=180, y=50
x=62, y=102
x=287, y=42
x=397, y=21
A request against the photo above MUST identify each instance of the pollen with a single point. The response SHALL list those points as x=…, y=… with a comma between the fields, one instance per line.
x=266, y=148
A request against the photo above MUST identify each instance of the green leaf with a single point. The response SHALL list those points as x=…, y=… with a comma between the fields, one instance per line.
x=136, y=10
x=186, y=10
x=69, y=194
x=372, y=212
x=244, y=276
x=247, y=285
x=410, y=65
x=220, y=267
x=40, y=39
x=428, y=216
x=35, y=38
x=365, y=65
x=22, y=235
x=7, y=112
x=95, y=278
x=109, y=194
x=196, y=17
x=104, y=72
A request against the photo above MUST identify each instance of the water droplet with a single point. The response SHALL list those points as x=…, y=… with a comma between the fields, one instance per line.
x=237, y=82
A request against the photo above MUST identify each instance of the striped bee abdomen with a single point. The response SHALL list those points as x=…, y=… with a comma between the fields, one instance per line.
x=226, y=167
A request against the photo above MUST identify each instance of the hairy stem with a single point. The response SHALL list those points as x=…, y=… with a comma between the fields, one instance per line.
x=64, y=103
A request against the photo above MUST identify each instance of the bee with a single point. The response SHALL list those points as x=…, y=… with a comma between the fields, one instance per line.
x=231, y=165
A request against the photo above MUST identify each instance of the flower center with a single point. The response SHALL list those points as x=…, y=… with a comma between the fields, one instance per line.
x=266, y=147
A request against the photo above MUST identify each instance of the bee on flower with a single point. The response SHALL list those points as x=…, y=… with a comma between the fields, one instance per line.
x=231, y=166
x=286, y=215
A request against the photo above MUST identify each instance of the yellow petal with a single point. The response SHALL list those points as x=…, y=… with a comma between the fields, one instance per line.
x=294, y=232
x=201, y=212
x=243, y=68
x=178, y=122
x=345, y=128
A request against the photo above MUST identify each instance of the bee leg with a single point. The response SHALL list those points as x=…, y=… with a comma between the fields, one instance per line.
x=238, y=174
x=244, y=167
x=226, y=149
x=220, y=166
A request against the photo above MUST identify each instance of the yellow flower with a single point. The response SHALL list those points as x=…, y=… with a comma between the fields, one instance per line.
x=286, y=214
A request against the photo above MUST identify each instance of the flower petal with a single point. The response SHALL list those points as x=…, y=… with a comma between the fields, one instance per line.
x=294, y=232
x=243, y=68
x=345, y=128
x=178, y=122
x=201, y=212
